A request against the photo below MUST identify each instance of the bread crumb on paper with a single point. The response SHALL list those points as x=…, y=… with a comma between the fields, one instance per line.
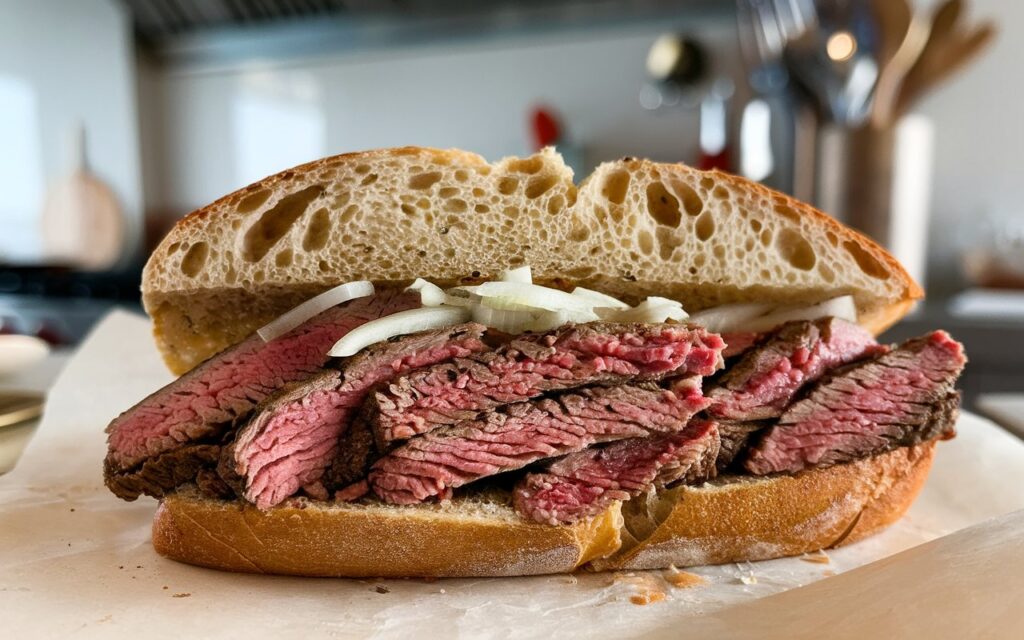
x=647, y=588
x=182, y=595
x=817, y=558
x=649, y=597
x=683, y=579
x=382, y=589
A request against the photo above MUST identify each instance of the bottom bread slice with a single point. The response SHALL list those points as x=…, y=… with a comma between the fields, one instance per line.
x=473, y=536
x=731, y=519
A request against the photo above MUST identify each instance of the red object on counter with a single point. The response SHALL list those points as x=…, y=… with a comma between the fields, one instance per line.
x=50, y=333
x=547, y=131
x=720, y=160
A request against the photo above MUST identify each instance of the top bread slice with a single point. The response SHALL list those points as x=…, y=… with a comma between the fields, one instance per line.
x=631, y=229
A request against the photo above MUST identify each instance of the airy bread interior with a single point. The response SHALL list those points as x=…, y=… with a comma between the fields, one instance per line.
x=633, y=228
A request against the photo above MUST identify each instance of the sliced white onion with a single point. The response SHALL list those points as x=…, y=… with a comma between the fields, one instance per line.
x=531, y=295
x=599, y=299
x=653, y=309
x=507, y=320
x=431, y=295
x=522, y=275
x=842, y=307
x=549, y=320
x=728, y=318
x=520, y=320
x=397, y=324
x=315, y=306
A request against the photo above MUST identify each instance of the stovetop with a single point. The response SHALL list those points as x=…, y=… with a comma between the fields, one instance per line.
x=60, y=305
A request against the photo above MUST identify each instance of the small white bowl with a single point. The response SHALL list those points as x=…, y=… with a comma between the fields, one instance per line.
x=20, y=352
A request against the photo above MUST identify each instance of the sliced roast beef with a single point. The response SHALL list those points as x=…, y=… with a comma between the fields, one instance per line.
x=293, y=437
x=201, y=403
x=583, y=484
x=738, y=343
x=516, y=435
x=902, y=398
x=533, y=364
x=161, y=473
x=735, y=437
x=762, y=384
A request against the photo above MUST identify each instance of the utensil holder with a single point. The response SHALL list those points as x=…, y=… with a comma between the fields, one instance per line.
x=878, y=181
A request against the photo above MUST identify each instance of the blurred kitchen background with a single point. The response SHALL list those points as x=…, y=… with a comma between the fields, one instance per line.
x=901, y=117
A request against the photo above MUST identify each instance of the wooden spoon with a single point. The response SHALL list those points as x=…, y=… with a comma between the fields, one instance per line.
x=895, y=69
x=893, y=18
x=942, y=62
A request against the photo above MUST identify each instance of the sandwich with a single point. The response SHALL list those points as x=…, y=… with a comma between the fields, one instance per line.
x=412, y=362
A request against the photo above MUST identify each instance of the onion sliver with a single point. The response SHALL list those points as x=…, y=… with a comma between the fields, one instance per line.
x=315, y=306
x=533, y=296
x=549, y=320
x=431, y=295
x=651, y=312
x=522, y=275
x=507, y=320
x=728, y=318
x=599, y=299
x=842, y=307
x=398, y=324
x=520, y=320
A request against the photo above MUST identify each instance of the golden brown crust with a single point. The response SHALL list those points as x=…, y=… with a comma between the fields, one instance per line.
x=344, y=541
x=731, y=521
x=758, y=519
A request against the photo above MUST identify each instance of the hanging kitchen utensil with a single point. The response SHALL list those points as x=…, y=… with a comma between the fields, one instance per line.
x=835, y=61
x=950, y=53
x=893, y=18
x=82, y=224
x=883, y=110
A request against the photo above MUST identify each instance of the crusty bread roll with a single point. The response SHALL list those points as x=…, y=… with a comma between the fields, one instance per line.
x=728, y=520
x=478, y=535
x=631, y=229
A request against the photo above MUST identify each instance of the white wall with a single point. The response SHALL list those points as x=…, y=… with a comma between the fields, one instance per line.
x=979, y=143
x=476, y=97
x=74, y=59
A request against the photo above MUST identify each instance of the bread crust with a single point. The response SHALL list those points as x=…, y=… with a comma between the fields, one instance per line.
x=358, y=541
x=746, y=519
x=200, y=273
x=729, y=521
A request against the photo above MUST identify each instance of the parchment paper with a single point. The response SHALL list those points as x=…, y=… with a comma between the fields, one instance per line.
x=74, y=560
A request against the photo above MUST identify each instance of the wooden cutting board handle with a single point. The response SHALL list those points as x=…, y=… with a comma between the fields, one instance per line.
x=82, y=224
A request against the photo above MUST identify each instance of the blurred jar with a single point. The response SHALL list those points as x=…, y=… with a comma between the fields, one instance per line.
x=878, y=181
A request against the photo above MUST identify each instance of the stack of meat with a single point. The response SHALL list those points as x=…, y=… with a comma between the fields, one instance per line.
x=571, y=419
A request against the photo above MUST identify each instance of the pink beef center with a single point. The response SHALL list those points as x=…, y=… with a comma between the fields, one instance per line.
x=299, y=441
x=225, y=389
x=582, y=484
x=773, y=388
x=861, y=411
x=432, y=464
x=441, y=399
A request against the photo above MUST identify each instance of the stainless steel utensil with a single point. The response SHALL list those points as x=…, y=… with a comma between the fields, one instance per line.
x=835, y=60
